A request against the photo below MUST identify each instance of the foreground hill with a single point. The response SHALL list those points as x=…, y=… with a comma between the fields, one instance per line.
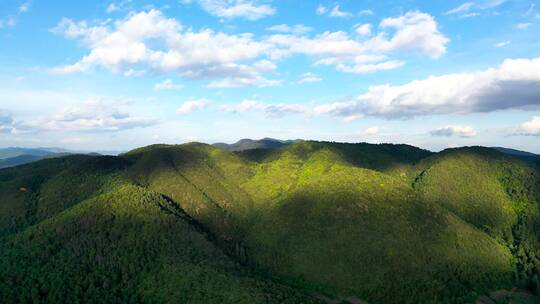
x=306, y=221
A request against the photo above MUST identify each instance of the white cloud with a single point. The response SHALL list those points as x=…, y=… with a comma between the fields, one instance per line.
x=111, y=8
x=196, y=55
x=295, y=29
x=95, y=114
x=244, y=106
x=502, y=44
x=167, y=84
x=469, y=15
x=321, y=9
x=337, y=12
x=134, y=73
x=193, y=105
x=117, y=6
x=240, y=75
x=366, y=12
x=25, y=7
x=11, y=22
x=371, y=67
x=371, y=131
x=465, y=7
x=487, y=4
x=270, y=110
x=364, y=29
x=247, y=9
x=129, y=45
x=514, y=84
x=414, y=31
x=455, y=130
x=309, y=78
x=531, y=127
x=523, y=26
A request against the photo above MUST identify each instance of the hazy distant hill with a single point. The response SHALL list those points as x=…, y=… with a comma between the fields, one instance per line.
x=15, y=156
x=15, y=151
x=520, y=154
x=18, y=160
x=307, y=222
x=248, y=144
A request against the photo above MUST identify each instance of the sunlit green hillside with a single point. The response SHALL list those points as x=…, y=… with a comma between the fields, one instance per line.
x=304, y=222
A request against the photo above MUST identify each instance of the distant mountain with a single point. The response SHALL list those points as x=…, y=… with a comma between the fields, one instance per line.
x=18, y=160
x=518, y=153
x=16, y=151
x=249, y=144
x=15, y=156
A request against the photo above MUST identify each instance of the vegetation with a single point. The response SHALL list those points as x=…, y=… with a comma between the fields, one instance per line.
x=309, y=220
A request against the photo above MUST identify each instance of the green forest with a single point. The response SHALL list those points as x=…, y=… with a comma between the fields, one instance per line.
x=305, y=222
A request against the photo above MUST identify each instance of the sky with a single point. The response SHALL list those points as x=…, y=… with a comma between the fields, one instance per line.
x=116, y=75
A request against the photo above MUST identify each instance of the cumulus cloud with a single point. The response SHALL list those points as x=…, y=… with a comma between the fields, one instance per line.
x=201, y=54
x=371, y=131
x=455, y=130
x=308, y=78
x=117, y=6
x=363, y=29
x=337, y=12
x=270, y=110
x=321, y=9
x=413, y=31
x=502, y=44
x=247, y=9
x=193, y=105
x=523, y=26
x=514, y=84
x=111, y=8
x=531, y=128
x=93, y=115
x=167, y=84
x=130, y=46
x=24, y=8
x=294, y=29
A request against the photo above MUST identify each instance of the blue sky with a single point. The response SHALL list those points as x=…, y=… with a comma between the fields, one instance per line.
x=115, y=75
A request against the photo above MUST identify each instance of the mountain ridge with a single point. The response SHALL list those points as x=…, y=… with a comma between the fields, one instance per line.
x=343, y=221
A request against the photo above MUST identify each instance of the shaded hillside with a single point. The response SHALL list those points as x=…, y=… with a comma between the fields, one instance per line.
x=126, y=245
x=382, y=223
x=519, y=154
x=18, y=160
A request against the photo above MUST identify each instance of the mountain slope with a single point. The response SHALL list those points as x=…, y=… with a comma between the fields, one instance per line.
x=126, y=245
x=382, y=223
x=283, y=211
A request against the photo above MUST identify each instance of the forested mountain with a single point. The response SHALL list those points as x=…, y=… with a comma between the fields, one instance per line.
x=307, y=222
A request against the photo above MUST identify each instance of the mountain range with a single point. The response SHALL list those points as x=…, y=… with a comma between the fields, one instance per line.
x=273, y=222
